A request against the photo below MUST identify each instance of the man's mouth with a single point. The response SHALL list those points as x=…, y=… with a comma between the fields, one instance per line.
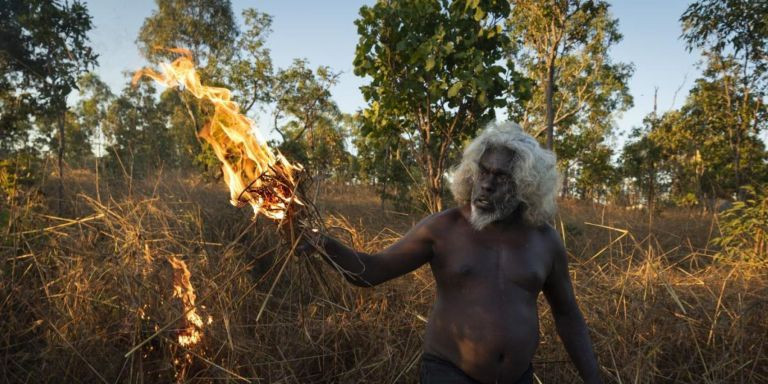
x=482, y=203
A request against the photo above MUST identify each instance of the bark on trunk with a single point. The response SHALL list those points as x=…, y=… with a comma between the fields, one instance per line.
x=550, y=108
x=435, y=196
x=61, y=163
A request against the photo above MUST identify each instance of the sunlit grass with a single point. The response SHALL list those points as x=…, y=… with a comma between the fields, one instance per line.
x=79, y=293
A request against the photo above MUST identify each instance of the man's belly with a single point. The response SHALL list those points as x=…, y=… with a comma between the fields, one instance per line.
x=490, y=341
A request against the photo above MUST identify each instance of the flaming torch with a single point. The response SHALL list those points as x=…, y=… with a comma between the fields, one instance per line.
x=254, y=173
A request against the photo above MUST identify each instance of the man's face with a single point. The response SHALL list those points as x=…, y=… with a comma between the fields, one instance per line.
x=494, y=195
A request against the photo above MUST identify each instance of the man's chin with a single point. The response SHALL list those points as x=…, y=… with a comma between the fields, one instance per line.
x=482, y=215
x=480, y=218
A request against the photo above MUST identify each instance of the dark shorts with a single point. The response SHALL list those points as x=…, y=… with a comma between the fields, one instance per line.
x=435, y=370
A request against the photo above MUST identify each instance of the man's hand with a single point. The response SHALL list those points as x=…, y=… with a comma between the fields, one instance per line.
x=310, y=241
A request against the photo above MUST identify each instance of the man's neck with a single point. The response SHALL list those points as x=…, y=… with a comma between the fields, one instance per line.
x=515, y=219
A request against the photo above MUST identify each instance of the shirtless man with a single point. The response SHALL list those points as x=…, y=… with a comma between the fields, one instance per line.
x=490, y=257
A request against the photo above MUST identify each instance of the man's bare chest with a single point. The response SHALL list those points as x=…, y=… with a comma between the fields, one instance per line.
x=496, y=261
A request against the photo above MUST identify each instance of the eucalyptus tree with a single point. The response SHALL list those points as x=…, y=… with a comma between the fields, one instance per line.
x=44, y=50
x=135, y=128
x=703, y=142
x=307, y=118
x=562, y=47
x=208, y=30
x=91, y=109
x=251, y=72
x=733, y=35
x=569, y=89
x=205, y=27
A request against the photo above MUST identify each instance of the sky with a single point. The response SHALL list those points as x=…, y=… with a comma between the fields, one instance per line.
x=324, y=33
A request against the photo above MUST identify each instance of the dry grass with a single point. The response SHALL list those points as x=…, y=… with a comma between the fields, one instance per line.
x=78, y=293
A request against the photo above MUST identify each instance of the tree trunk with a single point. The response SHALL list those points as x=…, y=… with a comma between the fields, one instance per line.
x=430, y=166
x=652, y=173
x=651, y=195
x=737, y=167
x=432, y=172
x=61, y=162
x=549, y=92
x=566, y=185
x=435, y=189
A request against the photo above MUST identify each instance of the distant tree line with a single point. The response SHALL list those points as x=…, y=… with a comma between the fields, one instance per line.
x=438, y=72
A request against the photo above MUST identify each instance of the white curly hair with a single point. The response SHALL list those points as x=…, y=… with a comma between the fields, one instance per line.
x=534, y=170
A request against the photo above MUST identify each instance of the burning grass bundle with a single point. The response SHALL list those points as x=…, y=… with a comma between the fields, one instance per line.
x=254, y=173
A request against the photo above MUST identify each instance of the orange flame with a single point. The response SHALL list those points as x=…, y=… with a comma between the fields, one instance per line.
x=254, y=174
x=182, y=288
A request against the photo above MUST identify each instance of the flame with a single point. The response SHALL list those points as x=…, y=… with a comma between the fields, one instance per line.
x=182, y=288
x=254, y=174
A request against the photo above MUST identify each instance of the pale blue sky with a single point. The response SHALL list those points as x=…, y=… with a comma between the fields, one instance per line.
x=324, y=33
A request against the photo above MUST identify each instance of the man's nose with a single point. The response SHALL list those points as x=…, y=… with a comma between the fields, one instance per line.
x=486, y=184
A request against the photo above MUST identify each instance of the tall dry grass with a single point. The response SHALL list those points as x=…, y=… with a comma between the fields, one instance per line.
x=81, y=290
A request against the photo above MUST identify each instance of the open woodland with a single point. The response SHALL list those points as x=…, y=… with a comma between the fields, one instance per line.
x=123, y=261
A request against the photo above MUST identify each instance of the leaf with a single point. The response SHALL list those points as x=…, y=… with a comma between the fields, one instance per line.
x=455, y=89
x=430, y=63
x=482, y=99
x=479, y=14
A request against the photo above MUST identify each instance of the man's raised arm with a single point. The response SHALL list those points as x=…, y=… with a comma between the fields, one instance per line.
x=366, y=270
x=569, y=321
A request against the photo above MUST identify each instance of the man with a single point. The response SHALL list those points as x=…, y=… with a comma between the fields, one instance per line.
x=491, y=257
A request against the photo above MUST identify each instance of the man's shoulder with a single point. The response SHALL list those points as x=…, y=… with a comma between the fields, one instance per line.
x=446, y=217
x=552, y=238
x=441, y=222
x=548, y=231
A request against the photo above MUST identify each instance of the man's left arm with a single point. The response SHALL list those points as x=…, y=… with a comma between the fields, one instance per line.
x=569, y=321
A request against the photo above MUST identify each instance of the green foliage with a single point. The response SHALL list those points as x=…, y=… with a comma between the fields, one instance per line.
x=45, y=48
x=224, y=57
x=22, y=171
x=184, y=116
x=744, y=227
x=21, y=175
x=77, y=151
x=44, y=51
x=385, y=162
x=738, y=26
x=593, y=174
x=734, y=37
x=435, y=79
x=16, y=110
x=250, y=73
x=206, y=27
x=309, y=121
x=706, y=148
x=574, y=38
x=135, y=127
x=640, y=162
x=91, y=110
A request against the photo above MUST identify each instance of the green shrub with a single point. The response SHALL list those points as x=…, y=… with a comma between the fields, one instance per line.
x=743, y=227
